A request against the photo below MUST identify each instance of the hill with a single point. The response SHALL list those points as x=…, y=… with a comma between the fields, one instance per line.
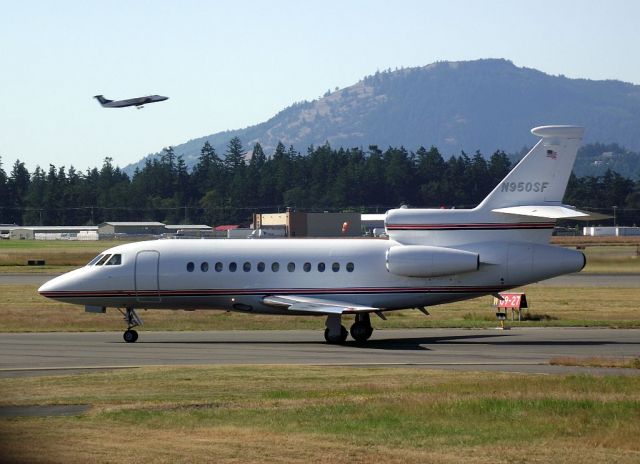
x=471, y=105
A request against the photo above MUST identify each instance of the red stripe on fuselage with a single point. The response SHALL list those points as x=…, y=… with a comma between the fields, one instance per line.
x=291, y=291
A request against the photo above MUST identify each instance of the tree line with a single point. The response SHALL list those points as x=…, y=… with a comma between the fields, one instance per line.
x=228, y=189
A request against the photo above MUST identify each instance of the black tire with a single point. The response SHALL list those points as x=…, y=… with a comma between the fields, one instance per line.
x=336, y=340
x=130, y=336
x=361, y=332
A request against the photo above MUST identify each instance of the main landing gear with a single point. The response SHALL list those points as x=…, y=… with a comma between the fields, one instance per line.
x=335, y=333
x=361, y=329
x=133, y=320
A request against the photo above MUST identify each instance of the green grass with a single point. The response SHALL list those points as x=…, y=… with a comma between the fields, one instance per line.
x=384, y=415
x=58, y=244
x=60, y=253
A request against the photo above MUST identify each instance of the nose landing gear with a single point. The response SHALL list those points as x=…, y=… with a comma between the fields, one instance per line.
x=133, y=320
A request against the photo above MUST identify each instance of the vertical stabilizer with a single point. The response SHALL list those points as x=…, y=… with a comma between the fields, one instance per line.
x=102, y=100
x=523, y=207
x=541, y=177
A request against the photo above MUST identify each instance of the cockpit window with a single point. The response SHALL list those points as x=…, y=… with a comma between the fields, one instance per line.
x=115, y=260
x=94, y=260
x=104, y=259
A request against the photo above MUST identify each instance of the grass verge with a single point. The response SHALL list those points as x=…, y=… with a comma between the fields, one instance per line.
x=312, y=414
x=22, y=309
x=627, y=363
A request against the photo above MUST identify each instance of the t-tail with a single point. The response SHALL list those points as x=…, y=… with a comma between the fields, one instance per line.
x=523, y=207
x=102, y=100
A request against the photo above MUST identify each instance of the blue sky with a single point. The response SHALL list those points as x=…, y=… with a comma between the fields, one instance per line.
x=227, y=65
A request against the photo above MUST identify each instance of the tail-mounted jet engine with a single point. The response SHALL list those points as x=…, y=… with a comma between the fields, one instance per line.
x=430, y=261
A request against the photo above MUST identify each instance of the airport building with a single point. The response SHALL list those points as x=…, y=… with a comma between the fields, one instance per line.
x=298, y=224
x=189, y=230
x=54, y=233
x=611, y=231
x=5, y=230
x=111, y=229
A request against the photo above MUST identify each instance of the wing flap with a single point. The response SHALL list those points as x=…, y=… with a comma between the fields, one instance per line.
x=315, y=305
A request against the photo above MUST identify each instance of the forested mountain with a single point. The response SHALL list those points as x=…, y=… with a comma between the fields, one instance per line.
x=471, y=105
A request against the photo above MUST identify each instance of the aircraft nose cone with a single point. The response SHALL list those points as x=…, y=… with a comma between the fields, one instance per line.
x=58, y=286
x=49, y=287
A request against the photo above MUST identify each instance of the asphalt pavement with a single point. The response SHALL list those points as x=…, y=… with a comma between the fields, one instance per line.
x=515, y=350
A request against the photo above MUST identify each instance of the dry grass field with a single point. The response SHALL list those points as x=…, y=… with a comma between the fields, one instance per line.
x=22, y=309
x=57, y=253
x=237, y=414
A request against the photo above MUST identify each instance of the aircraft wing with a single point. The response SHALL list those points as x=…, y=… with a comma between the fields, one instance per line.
x=551, y=212
x=315, y=305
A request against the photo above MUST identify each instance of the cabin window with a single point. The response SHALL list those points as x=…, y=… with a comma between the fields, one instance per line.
x=115, y=260
x=190, y=266
x=320, y=267
x=103, y=260
x=260, y=266
x=350, y=267
x=306, y=267
x=233, y=267
x=218, y=266
x=291, y=267
x=204, y=267
x=246, y=267
x=335, y=267
x=275, y=267
x=95, y=260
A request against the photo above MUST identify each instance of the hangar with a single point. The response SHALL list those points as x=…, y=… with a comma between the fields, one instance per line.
x=54, y=233
x=130, y=228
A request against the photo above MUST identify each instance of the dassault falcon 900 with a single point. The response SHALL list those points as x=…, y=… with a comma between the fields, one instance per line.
x=138, y=102
x=433, y=256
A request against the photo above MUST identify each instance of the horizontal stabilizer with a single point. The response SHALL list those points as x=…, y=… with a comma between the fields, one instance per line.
x=551, y=212
x=315, y=305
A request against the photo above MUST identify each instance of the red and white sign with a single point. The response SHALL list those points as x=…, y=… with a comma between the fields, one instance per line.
x=509, y=300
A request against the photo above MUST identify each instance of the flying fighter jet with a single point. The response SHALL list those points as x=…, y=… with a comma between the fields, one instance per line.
x=138, y=102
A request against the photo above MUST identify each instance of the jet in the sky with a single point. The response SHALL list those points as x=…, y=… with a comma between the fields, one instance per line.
x=138, y=102
x=432, y=256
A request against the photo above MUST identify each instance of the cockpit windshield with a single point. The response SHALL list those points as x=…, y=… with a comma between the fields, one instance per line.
x=115, y=260
x=106, y=260
x=94, y=260
x=103, y=260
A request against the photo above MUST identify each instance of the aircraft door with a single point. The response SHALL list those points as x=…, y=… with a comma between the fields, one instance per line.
x=146, y=276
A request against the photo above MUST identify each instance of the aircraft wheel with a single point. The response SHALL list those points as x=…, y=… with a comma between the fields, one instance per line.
x=361, y=332
x=339, y=339
x=130, y=336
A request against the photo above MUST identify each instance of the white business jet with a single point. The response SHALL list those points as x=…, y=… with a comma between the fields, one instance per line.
x=138, y=102
x=433, y=256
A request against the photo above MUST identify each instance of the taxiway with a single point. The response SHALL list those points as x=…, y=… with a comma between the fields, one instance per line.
x=519, y=350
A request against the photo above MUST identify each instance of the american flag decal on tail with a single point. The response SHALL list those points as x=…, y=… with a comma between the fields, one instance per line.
x=552, y=154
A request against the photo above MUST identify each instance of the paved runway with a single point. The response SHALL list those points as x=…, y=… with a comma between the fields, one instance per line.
x=569, y=280
x=521, y=350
